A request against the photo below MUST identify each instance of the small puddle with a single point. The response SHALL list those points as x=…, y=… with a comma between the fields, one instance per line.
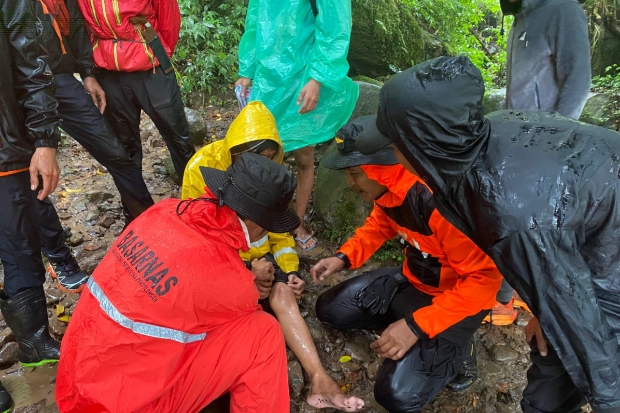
x=32, y=389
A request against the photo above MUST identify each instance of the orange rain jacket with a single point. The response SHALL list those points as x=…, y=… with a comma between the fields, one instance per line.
x=439, y=259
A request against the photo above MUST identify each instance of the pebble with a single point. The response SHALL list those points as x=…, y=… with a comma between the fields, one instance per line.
x=503, y=354
x=8, y=354
x=92, y=215
x=373, y=369
x=295, y=378
x=57, y=328
x=359, y=349
x=52, y=296
x=6, y=336
x=97, y=197
x=336, y=367
x=76, y=239
x=64, y=216
x=489, y=369
x=106, y=221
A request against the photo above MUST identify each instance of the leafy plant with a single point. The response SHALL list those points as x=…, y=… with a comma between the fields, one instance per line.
x=610, y=83
x=206, y=55
x=391, y=251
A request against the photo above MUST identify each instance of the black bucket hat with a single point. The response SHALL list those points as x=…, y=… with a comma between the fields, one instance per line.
x=373, y=138
x=257, y=189
x=348, y=155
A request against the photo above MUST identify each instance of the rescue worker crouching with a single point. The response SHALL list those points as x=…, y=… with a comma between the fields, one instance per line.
x=173, y=305
x=431, y=307
x=272, y=258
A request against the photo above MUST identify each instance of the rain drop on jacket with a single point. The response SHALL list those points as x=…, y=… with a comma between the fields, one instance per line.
x=537, y=192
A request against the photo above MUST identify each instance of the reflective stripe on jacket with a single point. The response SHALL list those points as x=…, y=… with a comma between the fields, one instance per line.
x=255, y=122
x=439, y=259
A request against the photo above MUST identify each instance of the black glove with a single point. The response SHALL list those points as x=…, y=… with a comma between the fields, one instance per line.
x=377, y=296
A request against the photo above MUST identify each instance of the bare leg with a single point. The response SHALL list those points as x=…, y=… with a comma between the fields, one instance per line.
x=304, y=158
x=324, y=392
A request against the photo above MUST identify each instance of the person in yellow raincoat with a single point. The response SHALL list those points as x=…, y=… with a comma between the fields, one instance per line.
x=254, y=130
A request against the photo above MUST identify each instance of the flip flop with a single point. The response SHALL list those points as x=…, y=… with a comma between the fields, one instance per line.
x=304, y=241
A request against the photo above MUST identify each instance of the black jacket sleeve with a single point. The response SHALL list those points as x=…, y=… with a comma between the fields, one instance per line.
x=79, y=41
x=31, y=74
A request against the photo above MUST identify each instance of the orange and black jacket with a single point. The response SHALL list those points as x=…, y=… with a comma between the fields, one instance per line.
x=439, y=259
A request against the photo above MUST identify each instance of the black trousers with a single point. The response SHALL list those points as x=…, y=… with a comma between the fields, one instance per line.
x=409, y=384
x=82, y=120
x=159, y=96
x=20, y=247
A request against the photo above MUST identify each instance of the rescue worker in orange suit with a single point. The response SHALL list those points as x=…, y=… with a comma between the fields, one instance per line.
x=81, y=108
x=431, y=307
x=170, y=319
x=28, y=174
x=255, y=130
x=132, y=44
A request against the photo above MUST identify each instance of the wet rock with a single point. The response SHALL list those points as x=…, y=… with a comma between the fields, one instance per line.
x=6, y=336
x=76, y=239
x=368, y=100
x=503, y=354
x=160, y=170
x=505, y=408
x=317, y=334
x=57, y=328
x=336, y=367
x=169, y=166
x=306, y=408
x=494, y=100
x=523, y=319
x=8, y=354
x=295, y=378
x=98, y=196
x=52, y=296
x=359, y=349
x=92, y=212
x=489, y=369
x=596, y=110
x=64, y=216
x=373, y=369
x=351, y=371
x=106, y=221
x=197, y=126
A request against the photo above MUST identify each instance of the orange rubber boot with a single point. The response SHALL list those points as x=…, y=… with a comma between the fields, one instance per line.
x=501, y=315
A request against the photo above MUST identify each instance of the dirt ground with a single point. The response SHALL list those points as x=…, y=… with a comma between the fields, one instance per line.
x=90, y=210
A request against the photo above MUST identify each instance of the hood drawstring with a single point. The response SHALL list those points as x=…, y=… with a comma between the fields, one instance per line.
x=183, y=205
x=501, y=31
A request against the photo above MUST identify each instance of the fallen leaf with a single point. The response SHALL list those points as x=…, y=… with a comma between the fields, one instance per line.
x=345, y=359
x=69, y=190
x=64, y=318
x=345, y=389
x=60, y=310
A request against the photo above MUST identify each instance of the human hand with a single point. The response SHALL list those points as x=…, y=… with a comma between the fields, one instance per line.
x=309, y=96
x=324, y=268
x=245, y=83
x=534, y=336
x=44, y=163
x=264, y=272
x=96, y=92
x=296, y=284
x=395, y=341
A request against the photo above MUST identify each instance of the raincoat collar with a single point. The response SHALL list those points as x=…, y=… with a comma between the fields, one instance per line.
x=433, y=114
x=397, y=180
x=255, y=122
x=219, y=224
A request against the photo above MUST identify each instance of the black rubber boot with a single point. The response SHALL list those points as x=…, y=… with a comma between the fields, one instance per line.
x=6, y=402
x=26, y=316
x=469, y=371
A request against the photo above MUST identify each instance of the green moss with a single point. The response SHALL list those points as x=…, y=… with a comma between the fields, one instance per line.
x=367, y=79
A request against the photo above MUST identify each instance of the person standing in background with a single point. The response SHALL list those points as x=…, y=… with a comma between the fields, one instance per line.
x=547, y=68
x=294, y=54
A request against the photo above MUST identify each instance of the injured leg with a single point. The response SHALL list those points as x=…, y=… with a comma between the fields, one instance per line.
x=324, y=392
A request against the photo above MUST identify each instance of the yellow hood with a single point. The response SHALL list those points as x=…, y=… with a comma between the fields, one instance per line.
x=255, y=122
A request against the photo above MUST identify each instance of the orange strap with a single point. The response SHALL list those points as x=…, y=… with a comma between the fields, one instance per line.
x=13, y=172
x=56, y=27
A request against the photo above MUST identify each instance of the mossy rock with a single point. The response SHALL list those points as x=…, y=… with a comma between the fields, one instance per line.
x=367, y=101
x=340, y=208
x=596, y=110
x=494, y=99
x=385, y=38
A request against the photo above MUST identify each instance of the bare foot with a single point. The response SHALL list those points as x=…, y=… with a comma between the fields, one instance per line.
x=325, y=393
x=304, y=240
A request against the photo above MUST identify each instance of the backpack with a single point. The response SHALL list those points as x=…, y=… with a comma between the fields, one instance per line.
x=315, y=11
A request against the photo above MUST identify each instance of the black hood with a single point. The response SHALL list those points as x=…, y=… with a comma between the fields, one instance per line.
x=433, y=113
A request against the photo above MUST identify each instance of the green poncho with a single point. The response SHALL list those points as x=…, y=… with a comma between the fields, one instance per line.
x=282, y=48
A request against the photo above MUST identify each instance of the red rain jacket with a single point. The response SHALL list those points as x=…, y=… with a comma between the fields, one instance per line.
x=184, y=273
x=439, y=259
x=117, y=44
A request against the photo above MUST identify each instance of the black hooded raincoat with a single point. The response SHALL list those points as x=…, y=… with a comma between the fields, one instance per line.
x=538, y=192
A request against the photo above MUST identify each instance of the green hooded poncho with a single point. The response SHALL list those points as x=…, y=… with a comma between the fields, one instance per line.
x=283, y=46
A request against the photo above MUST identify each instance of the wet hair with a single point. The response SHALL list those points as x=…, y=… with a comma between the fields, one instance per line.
x=256, y=147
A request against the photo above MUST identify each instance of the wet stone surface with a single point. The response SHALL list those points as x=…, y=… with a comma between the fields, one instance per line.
x=86, y=190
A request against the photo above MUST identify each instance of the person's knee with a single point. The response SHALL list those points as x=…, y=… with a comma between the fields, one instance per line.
x=304, y=158
x=282, y=297
x=327, y=311
x=396, y=401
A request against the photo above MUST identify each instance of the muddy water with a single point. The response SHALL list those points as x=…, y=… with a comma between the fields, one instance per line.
x=32, y=389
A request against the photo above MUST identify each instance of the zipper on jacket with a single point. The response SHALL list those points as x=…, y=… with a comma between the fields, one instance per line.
x=115, y=41
x=94, y=11
x=537, y=95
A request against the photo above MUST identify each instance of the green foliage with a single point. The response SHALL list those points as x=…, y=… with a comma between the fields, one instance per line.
x=470, y=27
x=390, y=252
x=206, y=55
x=610, y=83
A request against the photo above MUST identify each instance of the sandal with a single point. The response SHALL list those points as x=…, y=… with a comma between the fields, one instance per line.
x=302, y=242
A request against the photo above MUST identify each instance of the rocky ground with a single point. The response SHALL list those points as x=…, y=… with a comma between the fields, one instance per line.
x=89, y=208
